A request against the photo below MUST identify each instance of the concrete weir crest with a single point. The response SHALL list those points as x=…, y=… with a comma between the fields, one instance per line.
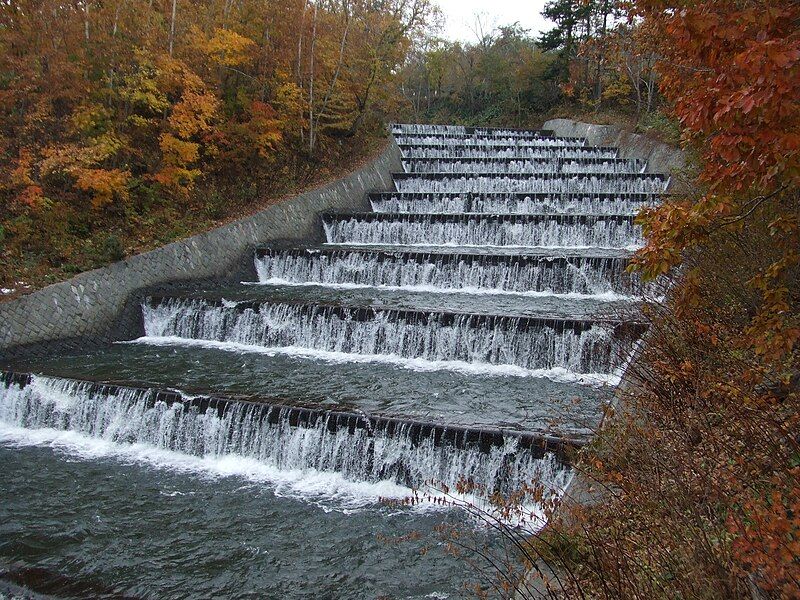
x=454, y=324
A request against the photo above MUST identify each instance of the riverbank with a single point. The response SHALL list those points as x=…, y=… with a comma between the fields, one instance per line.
x=26, y=268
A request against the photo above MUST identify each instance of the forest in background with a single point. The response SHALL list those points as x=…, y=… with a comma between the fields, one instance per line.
x=595, y=62
x=127, y=124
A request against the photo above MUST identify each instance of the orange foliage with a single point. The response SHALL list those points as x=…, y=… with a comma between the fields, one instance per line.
x=700, y=474
x=732, y=71
x=103, y=184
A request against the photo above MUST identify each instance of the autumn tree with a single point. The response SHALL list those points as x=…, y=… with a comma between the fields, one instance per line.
x=502, y=79
x=697, y=474
x=116, y=115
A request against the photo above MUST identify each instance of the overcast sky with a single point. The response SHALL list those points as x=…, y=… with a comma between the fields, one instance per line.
x=459, y=16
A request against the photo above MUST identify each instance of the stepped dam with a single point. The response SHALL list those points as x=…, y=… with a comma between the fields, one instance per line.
x=258, y=429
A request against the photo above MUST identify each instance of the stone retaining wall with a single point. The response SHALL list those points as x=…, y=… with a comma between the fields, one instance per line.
x=660, y=157
x=100, y=306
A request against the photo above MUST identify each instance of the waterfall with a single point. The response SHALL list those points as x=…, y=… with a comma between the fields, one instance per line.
x=501, y=204
x=524, y=165
x=546, y=232
x=494, y=257
x=574, y=275
x=470, y=329
x=530, y=344
x=608, y=204
x=461, y=140
x=514, y=151
x=562, y=184
x=203, y=427
x=420, y=203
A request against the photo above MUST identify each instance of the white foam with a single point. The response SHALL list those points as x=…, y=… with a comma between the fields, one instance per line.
x=467, y=291
x=327, y=490
x=312, y=485
x=557, y=374
x=466, y=247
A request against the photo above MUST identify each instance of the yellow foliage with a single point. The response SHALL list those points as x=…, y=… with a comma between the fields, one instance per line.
x=175, y=76
x=618, y=90
x=100, y=148
x=141, y=88
x=228, y=48
x=90, y=119
x=139, y=121
x=265, y=128
x=290, y=97
x=67, y=158
x=177, y=156
x=177, y=179
x=177, y=152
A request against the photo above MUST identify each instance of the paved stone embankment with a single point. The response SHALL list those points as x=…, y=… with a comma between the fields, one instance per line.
x=98, y=306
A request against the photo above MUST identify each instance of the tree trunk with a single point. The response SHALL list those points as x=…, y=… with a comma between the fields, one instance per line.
x=601, y=54
x=339, y=63
x=311, y=136
x=172, y=27
x=117, y=10
x=86, y=21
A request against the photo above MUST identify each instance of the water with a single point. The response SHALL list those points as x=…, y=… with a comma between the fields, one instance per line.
x=243, y=445
x=459, y=140
x=417, y=391
x=554, y=231
x=541, y=183
x=529, y=344
x=598, y=205
x=364, y=299
x=500, y=204
x=510, y=151
x=524, y=165
x=460, y=130
x=585, y=276
x=114, y=520
x=201, y=467
x=138, y=416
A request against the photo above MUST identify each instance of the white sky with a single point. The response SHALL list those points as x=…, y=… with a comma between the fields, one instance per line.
x=460, y=16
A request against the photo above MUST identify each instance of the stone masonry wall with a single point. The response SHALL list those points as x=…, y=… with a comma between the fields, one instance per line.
x=661, y=157
x=100, y=306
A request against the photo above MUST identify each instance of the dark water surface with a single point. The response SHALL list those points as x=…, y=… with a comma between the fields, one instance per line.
x=522, y=403
x=87, y=519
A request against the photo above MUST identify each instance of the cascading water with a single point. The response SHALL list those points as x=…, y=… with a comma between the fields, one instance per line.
x=484, y=273
x=540, y=183
x=589, y=276
x=524, y=165
x=587, y=348
x=564, y=204
x=511, y=151
x=139, y=416
x=504, y=204
x=421, y=203
x=413, y=128
x=460, y=140
x=557, y=231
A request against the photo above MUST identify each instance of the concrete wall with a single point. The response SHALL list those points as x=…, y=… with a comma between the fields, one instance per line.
x=100, y=306
x=661, y=157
